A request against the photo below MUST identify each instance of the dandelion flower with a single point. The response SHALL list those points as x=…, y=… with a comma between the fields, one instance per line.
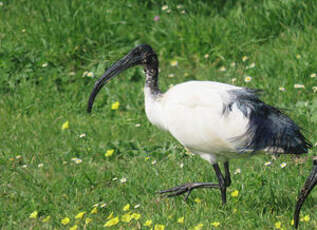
x=197, y=200
x=88, y=220
x=198, y=226
x=180, y=220
x=146, y=158
x=306, y=218
x=109, y=152
x=75, y=227
x=77, y=160
x=247, y=79
x=235, y=193
x=292, y=222
x=80, y=215
x=65, y=221
x=126, y=218
x=90, y=74
x=215, y=224
x=313, y=75
x=281, y=89
x=244, y=58
x=156, y=18
x=283, y=165
x=65, y=125
x=94, y=210
x=148, y=223
x=115, y=105
x=278, y=225
x=136, y=215
x=159, y=227
x=112, y=222
x=123, y=180
x=44, y=65
x=46, y=219
x=314, y=89
x=33, y=215
x=299, y=86
x=237, y=171
x=126, y=207
x=174, y=63
x=268, y=163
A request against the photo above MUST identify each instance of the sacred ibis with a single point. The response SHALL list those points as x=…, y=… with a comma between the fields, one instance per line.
x=217, y=121
x=310, y=183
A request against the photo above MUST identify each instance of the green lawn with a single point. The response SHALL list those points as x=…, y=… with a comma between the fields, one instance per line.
x=46, y=47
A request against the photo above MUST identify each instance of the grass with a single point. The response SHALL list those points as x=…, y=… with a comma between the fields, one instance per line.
x=46, y=47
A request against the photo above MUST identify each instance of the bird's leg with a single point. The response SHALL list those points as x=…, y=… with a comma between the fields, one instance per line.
x=187, y=188
x=227, y=174
x=222, y=185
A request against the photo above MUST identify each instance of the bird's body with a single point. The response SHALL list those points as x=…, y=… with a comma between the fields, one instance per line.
x=210, y=119
x=214, y=120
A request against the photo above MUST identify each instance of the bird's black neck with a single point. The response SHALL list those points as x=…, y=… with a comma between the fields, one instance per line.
x=151, y=80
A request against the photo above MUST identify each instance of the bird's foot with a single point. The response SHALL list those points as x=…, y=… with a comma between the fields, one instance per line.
x=187, y=188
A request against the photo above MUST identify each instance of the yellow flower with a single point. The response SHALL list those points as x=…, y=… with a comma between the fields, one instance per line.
x=80, y=215
x=148, y=223
x=33, y=215
x=136, y=216
x=292, y=222
x=65, y=125
x=278, y=225
x=305, y=218
x=94, y=210
x=127, y=206
x=198, y=227
x=174, y=63
x=75, y=227
x=180, y=220
x=115, y=105
x=126, y=218
x=110, y=216
x=88, y=220
x=65, y=221
x=109, y=152
x=235, y=193
x=159, y=227
x=112, y=222
x=215, y=224
x=46, y=219
x=244, y=58
x=147, y=158
x=197, y=200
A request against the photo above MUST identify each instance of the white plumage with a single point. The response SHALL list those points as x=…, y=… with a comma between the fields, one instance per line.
x=193, y=113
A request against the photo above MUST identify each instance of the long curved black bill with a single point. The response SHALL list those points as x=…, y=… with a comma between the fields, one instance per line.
x=121, y=65
x=310, y=183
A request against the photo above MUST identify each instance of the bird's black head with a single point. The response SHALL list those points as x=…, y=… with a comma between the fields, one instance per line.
x=140, y=55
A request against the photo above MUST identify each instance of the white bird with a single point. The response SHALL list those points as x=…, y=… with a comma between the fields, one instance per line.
x=214, y=120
